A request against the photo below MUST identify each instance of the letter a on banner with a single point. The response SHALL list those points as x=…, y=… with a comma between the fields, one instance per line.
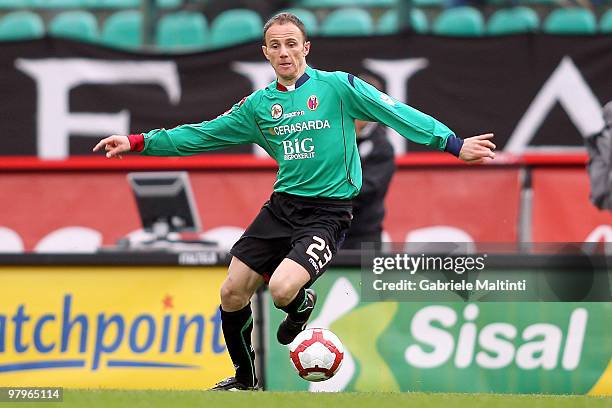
x=566, y=86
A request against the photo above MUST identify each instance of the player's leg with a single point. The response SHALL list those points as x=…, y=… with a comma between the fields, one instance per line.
x=287, y=288
x=239, y=286
x=315, y=240
x=237, y=324
x=259, y=251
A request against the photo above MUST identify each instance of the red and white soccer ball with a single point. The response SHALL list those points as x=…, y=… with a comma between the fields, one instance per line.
x=316, y=354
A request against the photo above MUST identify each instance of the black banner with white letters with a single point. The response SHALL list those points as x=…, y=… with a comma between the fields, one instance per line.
x=533, y=91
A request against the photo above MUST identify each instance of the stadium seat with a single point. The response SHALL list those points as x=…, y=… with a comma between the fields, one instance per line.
x=605, y=23
x=78, y=25
x=182, y=31
x=345, y=3
x=539, y=3
x=462, y=21
x=13, y=4
x=235, y=26
x=375, y=3
x=429, y=3
x=115, y=4
x=308, y=18
x=575, y=20
x=388, y=22
x=513, y=20
x=347, y=22
x=21, y=25
x=318, y=4
x=59, y=4
x=123, y=29
x=169, y=4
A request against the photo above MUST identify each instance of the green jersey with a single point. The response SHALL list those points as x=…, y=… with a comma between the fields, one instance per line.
x=308, y=130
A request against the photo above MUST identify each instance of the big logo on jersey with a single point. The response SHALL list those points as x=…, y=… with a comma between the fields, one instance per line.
x=297, y=149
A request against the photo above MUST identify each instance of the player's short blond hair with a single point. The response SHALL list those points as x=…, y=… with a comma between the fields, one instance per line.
x=285, y=18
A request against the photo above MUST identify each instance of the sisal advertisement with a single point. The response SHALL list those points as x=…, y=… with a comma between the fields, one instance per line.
x=455, y=346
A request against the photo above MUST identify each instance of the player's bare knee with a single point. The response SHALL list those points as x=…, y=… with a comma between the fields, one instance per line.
x=282, y=292
x=232, y=298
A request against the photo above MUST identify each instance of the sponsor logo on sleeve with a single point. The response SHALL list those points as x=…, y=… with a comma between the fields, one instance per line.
x=387, y=99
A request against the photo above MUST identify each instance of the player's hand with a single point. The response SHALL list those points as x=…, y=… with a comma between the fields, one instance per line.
x=477, y=149
x=114, y=145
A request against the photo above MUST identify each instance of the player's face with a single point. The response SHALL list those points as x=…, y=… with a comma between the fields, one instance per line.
x=286, y=50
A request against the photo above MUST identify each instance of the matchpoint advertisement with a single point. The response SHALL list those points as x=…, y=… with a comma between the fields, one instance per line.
x=119, y=327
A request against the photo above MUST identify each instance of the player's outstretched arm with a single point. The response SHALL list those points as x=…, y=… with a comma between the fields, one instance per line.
x=113, y=145
x=477, y=149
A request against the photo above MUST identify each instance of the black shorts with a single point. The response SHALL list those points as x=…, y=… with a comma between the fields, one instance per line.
x=306, y=230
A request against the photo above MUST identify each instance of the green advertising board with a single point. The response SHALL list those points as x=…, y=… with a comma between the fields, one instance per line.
x=455, y=346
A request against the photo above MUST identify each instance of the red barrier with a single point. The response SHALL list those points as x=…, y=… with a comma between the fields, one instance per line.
x=431, y=194
x=42, y=203
x=250, y=162
x=477, y=203
x=562, y=211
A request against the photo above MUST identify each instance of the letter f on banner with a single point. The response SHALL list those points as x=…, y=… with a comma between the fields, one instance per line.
x=55, y=78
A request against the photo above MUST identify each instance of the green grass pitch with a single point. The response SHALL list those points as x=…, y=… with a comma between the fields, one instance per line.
x=153, y=399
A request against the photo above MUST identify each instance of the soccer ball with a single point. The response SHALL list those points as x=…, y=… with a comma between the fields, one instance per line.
x=316, y=354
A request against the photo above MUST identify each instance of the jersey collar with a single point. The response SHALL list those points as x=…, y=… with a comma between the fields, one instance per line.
x=301, y=80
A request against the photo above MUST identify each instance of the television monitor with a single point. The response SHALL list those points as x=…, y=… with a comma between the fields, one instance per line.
x=165, y=202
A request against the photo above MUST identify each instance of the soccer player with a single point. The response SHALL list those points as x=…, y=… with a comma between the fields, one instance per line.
x=305, y=121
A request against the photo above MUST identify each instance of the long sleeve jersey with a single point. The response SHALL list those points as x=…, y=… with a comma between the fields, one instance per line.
x=309, y=131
